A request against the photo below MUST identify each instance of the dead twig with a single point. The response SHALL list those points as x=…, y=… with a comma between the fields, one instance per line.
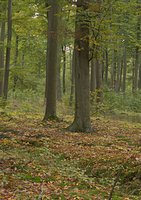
x=114, y=184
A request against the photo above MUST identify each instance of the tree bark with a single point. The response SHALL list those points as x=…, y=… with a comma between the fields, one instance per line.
x=8, y=49
x=51, y=64
x=81, y=121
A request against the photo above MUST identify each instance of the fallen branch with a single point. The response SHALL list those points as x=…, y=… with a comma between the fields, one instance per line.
x=114, y=185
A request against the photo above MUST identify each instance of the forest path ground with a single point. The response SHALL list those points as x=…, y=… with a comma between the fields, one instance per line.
x=44, y=161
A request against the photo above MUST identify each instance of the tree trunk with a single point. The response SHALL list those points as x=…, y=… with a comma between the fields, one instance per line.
x=59, y=93
x=139, y=84
x=81, y=48
x=72, y=79
x=106, y=67
x=117, y=84
x=93, y=76
x=99, y=96
x=137, y=55
x=59, y=54
x=51, y=64
x=121, y=71
x=102, y=67
x=15, y=62
x=133, y=75
x=64, y=68
x=8, y=49
x=113, y=70
x=2, y=36
x=124, y=70
x=136, y=70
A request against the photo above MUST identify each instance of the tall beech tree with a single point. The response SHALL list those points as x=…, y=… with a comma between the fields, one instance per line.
x=51, y=64
x=81, y=50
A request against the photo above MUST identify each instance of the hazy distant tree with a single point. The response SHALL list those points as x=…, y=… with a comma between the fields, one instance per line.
x=2, y=36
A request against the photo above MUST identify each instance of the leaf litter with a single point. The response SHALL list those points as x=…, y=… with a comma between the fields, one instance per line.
x=44, y=161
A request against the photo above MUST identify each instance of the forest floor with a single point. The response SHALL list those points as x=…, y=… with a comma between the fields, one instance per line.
x=45, y=161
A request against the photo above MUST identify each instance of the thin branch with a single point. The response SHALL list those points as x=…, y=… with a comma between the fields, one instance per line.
x=114, y=185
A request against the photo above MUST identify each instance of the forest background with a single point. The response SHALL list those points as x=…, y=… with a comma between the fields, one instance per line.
x=60, y=59
x=115, y=75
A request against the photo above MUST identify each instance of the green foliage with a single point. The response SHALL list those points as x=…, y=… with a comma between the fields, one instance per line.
x=123, y=102
x=27, y=100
